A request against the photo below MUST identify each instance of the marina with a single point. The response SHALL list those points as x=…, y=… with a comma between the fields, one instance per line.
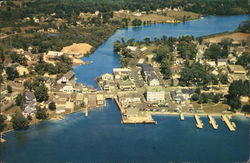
x=199, y=123
x=212, y=121
x=101, y=137
x=231, y=126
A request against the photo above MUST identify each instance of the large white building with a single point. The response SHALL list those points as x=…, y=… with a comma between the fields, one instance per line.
x=155, y=94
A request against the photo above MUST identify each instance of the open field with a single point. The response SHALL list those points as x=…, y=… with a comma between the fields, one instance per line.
x=236, y=36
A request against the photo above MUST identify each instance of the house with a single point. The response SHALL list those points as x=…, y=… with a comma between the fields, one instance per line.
x=236, y=69
x=137, y=14
x=211, y=63
x=66, y=78
x=151, y=78
x=107, y=85
x=155, y=93
x=79, y=99
x=127, y=99
x=107, y=77
x=54, y=54
x=126, y=85
x=149, y=75
x=177, y=97
x=121, y=73
x=143, y=49
x=29, y=103
x=222, y=62
x=100, y=99
x=132, y=48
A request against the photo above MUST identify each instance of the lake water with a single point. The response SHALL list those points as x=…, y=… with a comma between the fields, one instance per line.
x=101, y=137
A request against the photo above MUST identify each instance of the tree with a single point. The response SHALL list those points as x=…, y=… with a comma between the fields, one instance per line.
x=203, y=98
x=9, y=89
x=41, y=113
x=52, y=106
x=19, y=100
x=234, y=102
x=136, y=22
x=195, y=97
x=246, y=108
x=11, y=73
x=216, y=98
x=41, y=93
x=19, y=121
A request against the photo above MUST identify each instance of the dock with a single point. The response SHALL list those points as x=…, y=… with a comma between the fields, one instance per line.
x=182, y=116
x=119, y=106
x=231, y=126
x=212, y=121
x=86, y=112
x=199, y=123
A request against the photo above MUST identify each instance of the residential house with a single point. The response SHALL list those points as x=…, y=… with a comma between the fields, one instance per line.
x=54, y=54
x=125, y=100
x=222, y=62
x=29, y=104
x=149, y=75
x=132, y=48
x=155, y=93
x=126, y=85
x=121, y=73
x=236, y=69
x=107, y=77
x=66, y=78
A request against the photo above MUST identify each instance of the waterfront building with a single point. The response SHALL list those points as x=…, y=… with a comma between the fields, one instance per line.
x=126, y=85
x=66, y=78
x=121, y=73
x=155, y=93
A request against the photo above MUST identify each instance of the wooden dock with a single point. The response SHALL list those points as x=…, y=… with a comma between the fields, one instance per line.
x=182, y=116
x=212, y=121
x=199, y=123
x=229, y=124
x=119, y=106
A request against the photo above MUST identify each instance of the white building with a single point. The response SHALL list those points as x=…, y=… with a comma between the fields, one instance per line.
x=155, y=93
x=132, y=48
x=54, y=53
x=121, y=72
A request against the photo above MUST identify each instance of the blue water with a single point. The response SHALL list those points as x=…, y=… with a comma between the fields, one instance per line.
x=101, y=137
x=104, y=59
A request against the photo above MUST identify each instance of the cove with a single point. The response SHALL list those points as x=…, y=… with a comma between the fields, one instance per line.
x=101, y=137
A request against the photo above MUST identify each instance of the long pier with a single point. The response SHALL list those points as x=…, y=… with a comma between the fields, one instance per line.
x=231, y=126
x=181, y=116
x=119, y=106
x=199, y=123
x=212, y=121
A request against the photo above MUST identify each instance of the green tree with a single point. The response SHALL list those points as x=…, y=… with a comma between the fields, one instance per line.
x=216, y=98
x=9, y=89
x=19, y=100
x=234, y=102
x=195, y=97
x=11, y=73
x=41, y=93
x=203, y=98
x=19, y=121
x=52, y=106
x=136, y=22
x=41, y=113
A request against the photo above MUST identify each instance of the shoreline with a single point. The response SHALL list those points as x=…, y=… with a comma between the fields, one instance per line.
x=159, y=114
x=174, y=114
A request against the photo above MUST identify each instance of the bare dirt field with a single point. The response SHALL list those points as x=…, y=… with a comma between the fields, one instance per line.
x=236, y=36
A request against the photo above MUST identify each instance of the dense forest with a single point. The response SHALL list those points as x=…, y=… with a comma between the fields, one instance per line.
x=65, y=8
